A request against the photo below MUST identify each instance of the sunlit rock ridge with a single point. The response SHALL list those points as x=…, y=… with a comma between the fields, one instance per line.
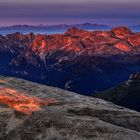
x=21, y=102
x=78, y=60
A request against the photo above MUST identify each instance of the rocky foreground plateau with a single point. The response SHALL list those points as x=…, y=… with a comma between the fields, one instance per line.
x=30, y=111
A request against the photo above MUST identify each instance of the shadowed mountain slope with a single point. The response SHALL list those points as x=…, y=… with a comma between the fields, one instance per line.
x=127, y=94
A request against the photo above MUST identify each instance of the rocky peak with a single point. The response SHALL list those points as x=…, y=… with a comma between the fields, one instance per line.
x=134, y=39
x=72, y=30
x=123, y=45
x=31, y=36
x=121, y=32
x=39, y=44
x=77, y=32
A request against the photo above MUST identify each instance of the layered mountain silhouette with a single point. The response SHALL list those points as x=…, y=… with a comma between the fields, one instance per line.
x=60, y=28
x=126, y=94
x=78, y=60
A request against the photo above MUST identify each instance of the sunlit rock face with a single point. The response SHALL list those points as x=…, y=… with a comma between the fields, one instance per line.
x=123, y=45
x=134, y=40
x=74, y=40
x=76, y=59
x=79, y=41
x=21, y=102
x=121, y=32
x=77, y=32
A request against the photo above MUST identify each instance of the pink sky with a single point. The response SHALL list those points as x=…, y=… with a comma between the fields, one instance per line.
x=35, y=12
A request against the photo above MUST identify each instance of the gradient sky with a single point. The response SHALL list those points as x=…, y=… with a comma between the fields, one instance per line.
x=110, y=12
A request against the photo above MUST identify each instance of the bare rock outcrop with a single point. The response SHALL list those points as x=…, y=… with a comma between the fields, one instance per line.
x=74, y=117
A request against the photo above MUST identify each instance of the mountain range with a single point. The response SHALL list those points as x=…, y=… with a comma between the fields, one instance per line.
x=78, y=60
x=57, y=29
x=50, y=29
x=84, y=25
